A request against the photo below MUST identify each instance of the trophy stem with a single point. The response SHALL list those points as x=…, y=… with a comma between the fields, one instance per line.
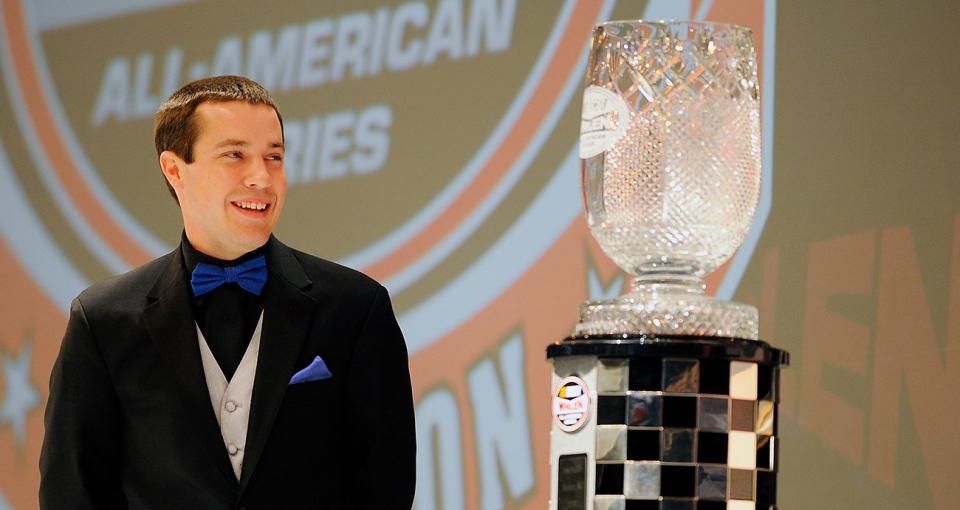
x=662, y=279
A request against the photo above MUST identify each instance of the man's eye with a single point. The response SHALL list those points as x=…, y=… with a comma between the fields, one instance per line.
x=275, y=157
x=234, y=154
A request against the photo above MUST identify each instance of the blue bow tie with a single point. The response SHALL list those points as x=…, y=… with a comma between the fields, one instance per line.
x=251, y=276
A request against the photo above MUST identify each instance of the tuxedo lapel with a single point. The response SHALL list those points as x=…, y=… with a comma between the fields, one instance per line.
x=287, y=314
x=169, y=321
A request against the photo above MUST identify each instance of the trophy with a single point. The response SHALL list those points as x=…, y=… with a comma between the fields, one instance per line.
x=664, y=397
x=670, y=142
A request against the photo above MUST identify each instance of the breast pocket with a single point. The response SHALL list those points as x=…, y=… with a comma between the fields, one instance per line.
x=311, y=404
x=313, y=388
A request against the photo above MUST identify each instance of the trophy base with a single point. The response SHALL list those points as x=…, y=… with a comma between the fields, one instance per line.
x=668, y=310
x=664, y=422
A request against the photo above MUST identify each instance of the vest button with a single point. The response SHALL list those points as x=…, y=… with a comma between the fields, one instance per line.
x=232, y=449
x=230, y=406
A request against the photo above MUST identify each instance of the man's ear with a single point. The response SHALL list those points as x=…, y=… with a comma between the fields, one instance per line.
x=171, y=165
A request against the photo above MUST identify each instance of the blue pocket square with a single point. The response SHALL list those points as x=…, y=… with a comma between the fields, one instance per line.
x=315, y=371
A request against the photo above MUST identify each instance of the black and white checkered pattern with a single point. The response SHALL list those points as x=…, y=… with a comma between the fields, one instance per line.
x=685, y=434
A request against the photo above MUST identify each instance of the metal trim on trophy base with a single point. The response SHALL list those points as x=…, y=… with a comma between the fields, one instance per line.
x=664, y=422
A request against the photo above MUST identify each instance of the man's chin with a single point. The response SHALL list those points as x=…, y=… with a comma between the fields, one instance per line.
x=245, y=241
x=252, y=242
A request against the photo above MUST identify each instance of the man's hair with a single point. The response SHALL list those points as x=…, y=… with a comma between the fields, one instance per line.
x=175, y=128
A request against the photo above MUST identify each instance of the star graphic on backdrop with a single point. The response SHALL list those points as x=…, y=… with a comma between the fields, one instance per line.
x=19, y=396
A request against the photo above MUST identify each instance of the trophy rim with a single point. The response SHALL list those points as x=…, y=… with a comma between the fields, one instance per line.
x=666, y=23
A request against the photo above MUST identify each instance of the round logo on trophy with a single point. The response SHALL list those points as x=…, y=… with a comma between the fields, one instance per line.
x=571, y=404
x=603, y=120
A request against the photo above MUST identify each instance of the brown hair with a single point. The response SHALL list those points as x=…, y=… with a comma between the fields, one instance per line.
x=174, y=128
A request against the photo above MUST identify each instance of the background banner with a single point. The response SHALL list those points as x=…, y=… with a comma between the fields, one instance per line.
x=433, y=145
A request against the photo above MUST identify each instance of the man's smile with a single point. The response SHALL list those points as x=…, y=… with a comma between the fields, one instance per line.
x=251, y=208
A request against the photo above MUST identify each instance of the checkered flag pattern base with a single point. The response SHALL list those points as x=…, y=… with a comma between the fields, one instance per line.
x=685, y=434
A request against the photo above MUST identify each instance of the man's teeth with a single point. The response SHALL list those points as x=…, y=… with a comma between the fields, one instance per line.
x=251, y=205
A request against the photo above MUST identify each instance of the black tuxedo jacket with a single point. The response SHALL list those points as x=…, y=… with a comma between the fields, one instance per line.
x=129, y=422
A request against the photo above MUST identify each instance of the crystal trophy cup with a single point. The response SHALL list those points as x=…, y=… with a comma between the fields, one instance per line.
x=664, y=398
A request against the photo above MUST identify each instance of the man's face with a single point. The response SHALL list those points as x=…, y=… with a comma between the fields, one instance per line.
x=232, y=194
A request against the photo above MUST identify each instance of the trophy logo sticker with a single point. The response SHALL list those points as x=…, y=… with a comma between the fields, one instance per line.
x=571, y=404
x=603, y=120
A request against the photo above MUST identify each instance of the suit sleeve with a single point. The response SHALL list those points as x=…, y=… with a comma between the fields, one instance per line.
x=381, y=413
x=80, y=458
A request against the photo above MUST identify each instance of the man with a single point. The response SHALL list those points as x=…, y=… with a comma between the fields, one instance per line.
x=234, y=372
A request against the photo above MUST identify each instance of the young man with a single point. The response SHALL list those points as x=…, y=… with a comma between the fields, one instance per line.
x=234, y=372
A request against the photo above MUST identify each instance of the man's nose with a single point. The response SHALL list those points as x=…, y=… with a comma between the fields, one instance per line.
x=257, y=175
